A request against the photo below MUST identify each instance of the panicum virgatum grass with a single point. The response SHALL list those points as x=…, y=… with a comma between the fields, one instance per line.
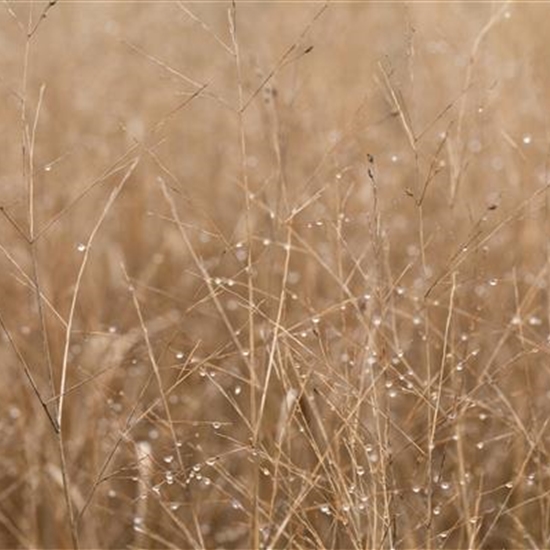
x=274, y=275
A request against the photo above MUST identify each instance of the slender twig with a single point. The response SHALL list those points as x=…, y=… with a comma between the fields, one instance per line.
x=206, y=28
x=275, y=338
x=156, y=370
x=70, y=320
x=32, y=142
x=28, y=374
x=283, y=59
x=43, y=15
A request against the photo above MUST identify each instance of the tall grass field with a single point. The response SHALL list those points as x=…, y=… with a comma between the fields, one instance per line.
x=274, y=274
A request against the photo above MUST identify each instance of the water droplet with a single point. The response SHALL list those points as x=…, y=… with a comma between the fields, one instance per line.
x=216, y=425
x=173, y=399
x=437, y=511
x=81, y=247
x=174, y=506
x=232, y=305
x=416, y=489
x=197, y=468
x=237, y=390
x=138, y=522
x=480, y=445
x=445, y=485
x=325, y=509
x=293, y=278
x=371, y=360
x=493, y=282
x=179, y=355
x=211, y=461
x=169, y=477
x=111, y=493
x=360, y=471
x=204, y=237
x=527, y=139
x=474, y=145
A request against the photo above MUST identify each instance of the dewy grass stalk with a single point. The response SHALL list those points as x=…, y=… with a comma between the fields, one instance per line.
x=274, y=275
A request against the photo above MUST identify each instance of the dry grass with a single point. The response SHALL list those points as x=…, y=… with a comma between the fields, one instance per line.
x=274, y=275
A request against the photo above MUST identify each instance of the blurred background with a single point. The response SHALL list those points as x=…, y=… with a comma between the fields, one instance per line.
x=286, y=263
